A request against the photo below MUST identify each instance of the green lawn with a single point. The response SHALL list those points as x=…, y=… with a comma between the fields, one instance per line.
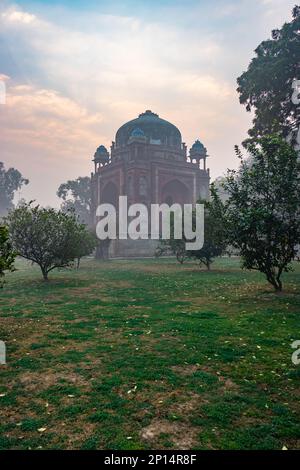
x=149, y=355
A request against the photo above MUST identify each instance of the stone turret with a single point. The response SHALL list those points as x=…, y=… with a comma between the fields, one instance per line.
x=198, y=152
x=101, y=157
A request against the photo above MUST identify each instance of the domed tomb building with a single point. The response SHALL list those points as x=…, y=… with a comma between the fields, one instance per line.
x=149, y=163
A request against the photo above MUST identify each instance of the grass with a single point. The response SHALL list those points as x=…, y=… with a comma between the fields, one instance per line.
x=148, y=354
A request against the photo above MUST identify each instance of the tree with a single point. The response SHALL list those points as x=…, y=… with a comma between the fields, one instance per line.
x=7, y=255
x=86, y=243
x=214, y=234
x=174, y=246
x=214, y=230
x=11, y=181
x=219, y=187
x=76, y=195
x=266, y=86
x=263, y=208
x=50, y=238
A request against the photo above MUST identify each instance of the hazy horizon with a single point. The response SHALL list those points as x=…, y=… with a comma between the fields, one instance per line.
x=75, y=73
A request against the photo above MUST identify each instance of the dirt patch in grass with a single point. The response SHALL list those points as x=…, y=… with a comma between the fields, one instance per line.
x=191, y=403
x=186, y=370
x=182, y=437
x=190, y=369
x=247, y=421
x=34, y=381
x=294, y=444
x=228, y=384
x=75, y=435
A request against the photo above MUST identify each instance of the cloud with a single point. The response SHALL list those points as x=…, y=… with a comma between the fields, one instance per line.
x=48, y=137
x=4, y=77
x=46, y=118
x=76, y=76
x=117, y=60
x=16, y=16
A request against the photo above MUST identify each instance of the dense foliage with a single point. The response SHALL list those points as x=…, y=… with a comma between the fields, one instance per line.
x=76, y=196
x=11, y=181
x=263, y=208
x=50, y=238
x=266, y=87
x=7, y=255
x=214, y=235
x=214, y=231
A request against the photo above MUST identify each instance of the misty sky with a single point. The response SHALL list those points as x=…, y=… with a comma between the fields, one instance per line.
x=75, y=71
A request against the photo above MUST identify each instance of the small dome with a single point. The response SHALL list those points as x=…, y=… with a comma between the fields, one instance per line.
x=101, y=149
x=198, y=149
x=101, y=155
x=198, y=145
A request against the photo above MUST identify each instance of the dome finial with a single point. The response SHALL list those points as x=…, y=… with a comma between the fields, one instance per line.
x=149, y=113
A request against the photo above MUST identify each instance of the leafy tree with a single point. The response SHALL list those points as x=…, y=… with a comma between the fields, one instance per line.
x=50, y=238
x=173, y=246
x=7, y=255
x=219, y=187
x=11, y=181
x=263, y=208
x=76, y=195
x=214, y=234
x=86, y=243
x=266, y=86
x=214, y=230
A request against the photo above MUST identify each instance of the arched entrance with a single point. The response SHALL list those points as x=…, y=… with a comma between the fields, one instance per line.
x=175, y=192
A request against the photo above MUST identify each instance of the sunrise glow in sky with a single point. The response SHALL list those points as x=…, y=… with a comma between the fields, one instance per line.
x=75, y=71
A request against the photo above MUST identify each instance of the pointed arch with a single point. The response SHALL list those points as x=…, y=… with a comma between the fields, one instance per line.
x=175, y=192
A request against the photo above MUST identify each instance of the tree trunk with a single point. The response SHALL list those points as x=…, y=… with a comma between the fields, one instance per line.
x=180, y=258
x=279, y=283
x=278, y=287
x=45, y=274
x=276, y=283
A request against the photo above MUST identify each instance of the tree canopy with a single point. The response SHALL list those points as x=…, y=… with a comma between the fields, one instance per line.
x=11, y=181
x=50, y=238
x=76, y=195
x=263, y=208
x=266, y=87
x=7, y=255
x=215, y=235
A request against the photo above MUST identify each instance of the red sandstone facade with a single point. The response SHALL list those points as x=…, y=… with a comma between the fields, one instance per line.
x=148, y=163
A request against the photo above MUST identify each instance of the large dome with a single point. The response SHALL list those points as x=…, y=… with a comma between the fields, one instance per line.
x=157, y=130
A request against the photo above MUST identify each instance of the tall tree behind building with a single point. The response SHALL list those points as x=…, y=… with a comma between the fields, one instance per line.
x=11, y=181
x=76, y=196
